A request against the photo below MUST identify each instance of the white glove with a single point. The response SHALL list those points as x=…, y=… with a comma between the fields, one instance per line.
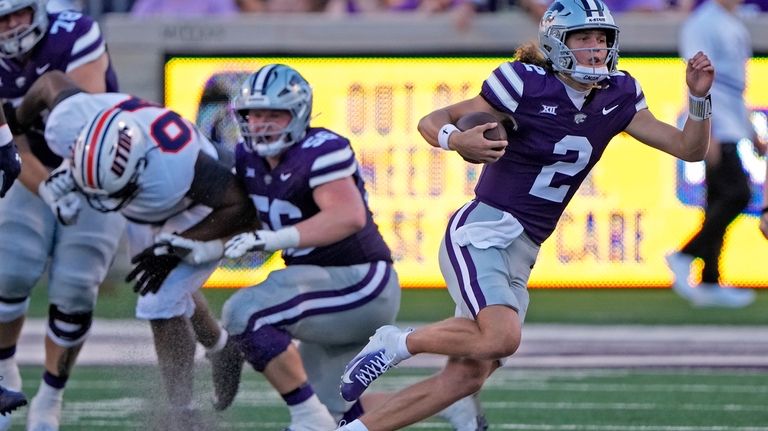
x=267, y=240
x=189, y=250
x=66, y=207
x=60, y=180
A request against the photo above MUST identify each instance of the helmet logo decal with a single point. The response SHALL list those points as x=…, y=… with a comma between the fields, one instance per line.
x=593, y=9
x=554, y=11
x=123, y=151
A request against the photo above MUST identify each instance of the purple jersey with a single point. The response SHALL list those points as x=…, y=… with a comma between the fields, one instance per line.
x=283, y=196
x=556, y=145
x=71, y=41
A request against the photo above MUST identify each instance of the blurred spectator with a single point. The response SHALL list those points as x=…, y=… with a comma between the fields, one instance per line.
x=536, y=8
x=714, y=29
x=292, y=6
x=184, y=7
x=463, y=10
x=251, y=6
x=747, y=7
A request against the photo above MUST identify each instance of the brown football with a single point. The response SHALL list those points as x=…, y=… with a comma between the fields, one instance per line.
x=474, y=119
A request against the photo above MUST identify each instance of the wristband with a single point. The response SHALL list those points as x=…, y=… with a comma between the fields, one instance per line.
x=445, y=133
x=6, y=137
x=287, y=237
x=699, y=108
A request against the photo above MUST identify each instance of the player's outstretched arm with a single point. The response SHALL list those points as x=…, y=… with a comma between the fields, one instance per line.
x=692, y=142
x=49, y=89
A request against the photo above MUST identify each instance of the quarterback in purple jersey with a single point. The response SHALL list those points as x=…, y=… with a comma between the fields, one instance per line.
x=32, y=223
x=568, y=100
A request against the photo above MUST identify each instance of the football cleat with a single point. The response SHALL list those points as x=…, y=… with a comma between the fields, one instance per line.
x=680, y=265
x=715, y=295
x=465, y=414
x=10, y=400
x=227, y=366
x=44, y=413
x=375, y=359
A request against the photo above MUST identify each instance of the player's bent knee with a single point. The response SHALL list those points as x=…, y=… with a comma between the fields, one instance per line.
x=262, y=345
x=13, y=308
x=462, y=381
x=68, y=329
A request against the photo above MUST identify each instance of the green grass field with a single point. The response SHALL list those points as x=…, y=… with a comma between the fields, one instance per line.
x=538, y=400
x=674, y=399
x=583, y=306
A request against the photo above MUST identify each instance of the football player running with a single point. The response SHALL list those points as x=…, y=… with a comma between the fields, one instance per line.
x=568, y=100
x=158, y=170
x=33, y=42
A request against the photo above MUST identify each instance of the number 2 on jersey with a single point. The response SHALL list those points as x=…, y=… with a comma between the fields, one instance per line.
x=542, y=185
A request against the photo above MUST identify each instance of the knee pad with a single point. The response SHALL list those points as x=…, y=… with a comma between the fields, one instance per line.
x=261, y=346
x=68, y=329
x=13, y=308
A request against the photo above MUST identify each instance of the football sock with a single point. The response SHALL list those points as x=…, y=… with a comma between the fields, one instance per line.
x=402, y=348
x=55, y=382
x=9, y=370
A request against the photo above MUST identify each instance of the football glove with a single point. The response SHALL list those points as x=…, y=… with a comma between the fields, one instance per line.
x=190, y=251
x=151, y=269
x=57, y=191
x=10, y=167
x=258, y=240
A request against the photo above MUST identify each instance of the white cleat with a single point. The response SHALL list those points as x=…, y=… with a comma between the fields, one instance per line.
x=715, y=295
x=465, y=414
x=680, y=265
x=44, y=413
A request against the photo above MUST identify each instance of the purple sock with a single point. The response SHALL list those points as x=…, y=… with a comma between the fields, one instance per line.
x=298, y=395
x=7, y=352
x=55, y=381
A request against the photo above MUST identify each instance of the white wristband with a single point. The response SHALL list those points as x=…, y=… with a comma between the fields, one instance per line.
x=699, y=108
x=445, y=133
x=287, y=237
x=6, y=137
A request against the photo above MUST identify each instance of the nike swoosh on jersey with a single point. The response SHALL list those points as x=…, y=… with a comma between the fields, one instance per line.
x=609, y=110
x=285, y=176
x=40, y=70
x=346, y=378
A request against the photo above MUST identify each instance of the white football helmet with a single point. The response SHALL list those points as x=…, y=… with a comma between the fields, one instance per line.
x=109, y=157
x=565, y=16
x=274, y=86
x=20, y=40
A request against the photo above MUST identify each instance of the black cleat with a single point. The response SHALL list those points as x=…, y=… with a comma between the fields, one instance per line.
x=10, y=400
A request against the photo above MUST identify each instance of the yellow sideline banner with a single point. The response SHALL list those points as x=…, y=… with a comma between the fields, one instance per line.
x=637, y=205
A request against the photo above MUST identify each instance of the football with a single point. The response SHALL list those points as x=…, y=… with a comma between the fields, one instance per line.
x=474, y=119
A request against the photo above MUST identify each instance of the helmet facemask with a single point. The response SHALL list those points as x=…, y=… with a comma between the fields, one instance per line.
x=109, y=158
x=20, y=40
x=274, y=87
x=565, y=17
